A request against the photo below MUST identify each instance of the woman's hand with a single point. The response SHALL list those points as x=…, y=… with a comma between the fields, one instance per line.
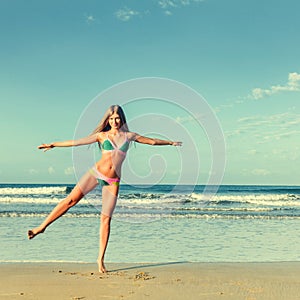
x=176, y=144
x=46, y=147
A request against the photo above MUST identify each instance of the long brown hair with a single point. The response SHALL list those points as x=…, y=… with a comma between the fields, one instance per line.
x=104, y=124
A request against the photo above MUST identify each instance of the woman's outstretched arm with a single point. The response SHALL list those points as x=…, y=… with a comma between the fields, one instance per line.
x=71, y=143
x=151, y=141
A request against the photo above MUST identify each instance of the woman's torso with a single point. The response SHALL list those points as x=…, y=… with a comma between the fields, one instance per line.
x=114, y=149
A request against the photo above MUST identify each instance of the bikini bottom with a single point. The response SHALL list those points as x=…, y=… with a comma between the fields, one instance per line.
x=102, y=179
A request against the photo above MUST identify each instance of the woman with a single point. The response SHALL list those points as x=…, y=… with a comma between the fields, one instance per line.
x=113, y=137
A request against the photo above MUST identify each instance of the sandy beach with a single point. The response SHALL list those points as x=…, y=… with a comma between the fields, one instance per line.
x=151, y=281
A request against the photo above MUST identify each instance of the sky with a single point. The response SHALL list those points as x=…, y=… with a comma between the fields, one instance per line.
x=241, y=57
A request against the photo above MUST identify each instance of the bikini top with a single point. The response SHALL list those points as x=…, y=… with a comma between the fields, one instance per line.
x=109, y=146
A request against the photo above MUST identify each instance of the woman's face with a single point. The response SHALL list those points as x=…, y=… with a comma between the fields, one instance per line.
x=114, y=121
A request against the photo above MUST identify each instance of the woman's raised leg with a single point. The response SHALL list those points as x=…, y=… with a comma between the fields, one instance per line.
x=109, y=200
x=84, y=186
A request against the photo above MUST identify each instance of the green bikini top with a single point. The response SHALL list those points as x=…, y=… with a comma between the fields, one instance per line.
x=109, y=146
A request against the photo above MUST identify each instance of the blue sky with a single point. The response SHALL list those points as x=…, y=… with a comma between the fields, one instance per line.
x=241, y=56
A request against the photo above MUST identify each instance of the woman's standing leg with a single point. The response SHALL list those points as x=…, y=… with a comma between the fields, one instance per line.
x=84, y=186
x=109, y=200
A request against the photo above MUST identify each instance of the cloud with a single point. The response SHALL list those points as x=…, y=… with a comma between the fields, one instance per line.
x=51, y=170
x=125, y=14
x=252, y=152
x=167, y=4
x=69, y=171
x=168, y=13
x=89, y=18
x=268, y=128
x=285, y=120
x=260, y=172
x=293, y=85
x=33, y=171
x=164, y=4
x=190, y=118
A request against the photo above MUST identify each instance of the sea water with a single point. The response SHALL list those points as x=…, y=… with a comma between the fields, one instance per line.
x=162, y=223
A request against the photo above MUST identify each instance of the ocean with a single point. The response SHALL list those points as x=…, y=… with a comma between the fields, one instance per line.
x=162, y=223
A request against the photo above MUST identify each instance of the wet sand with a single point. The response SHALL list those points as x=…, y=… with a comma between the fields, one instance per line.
x=151, y=281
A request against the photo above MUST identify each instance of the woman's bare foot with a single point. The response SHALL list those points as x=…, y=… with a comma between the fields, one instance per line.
x=101, y=266
x=32, y=233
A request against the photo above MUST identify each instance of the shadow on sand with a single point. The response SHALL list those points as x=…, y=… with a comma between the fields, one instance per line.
x=139, y=266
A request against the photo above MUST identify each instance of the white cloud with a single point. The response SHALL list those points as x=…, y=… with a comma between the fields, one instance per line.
x=126, y=14
x=185, y=2
x=293, y=85
x=168, y=13
x=89, y=18
x=51, y=170
x=69, y=171
x=168, y=5
x=33, y=171
x=190, y=118
x=252, y=152
x=268, y=128
x=260, y=172
x=283, y=120
x=164, y=4
x=223, y=106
